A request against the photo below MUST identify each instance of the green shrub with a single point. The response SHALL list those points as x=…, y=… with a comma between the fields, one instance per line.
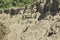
x=14, y=3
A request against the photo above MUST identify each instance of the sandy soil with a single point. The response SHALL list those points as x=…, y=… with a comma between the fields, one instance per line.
x=27, y=27
x=19, y=28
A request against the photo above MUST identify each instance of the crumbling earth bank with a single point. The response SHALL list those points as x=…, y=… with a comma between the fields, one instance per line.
x=25, y=25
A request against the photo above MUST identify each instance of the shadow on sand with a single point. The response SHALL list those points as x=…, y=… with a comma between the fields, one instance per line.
x=53, y=8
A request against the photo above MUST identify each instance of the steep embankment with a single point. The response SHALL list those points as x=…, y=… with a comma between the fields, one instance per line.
x=38, y=21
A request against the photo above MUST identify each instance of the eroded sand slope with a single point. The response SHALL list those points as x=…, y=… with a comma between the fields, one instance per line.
x=25, y=26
